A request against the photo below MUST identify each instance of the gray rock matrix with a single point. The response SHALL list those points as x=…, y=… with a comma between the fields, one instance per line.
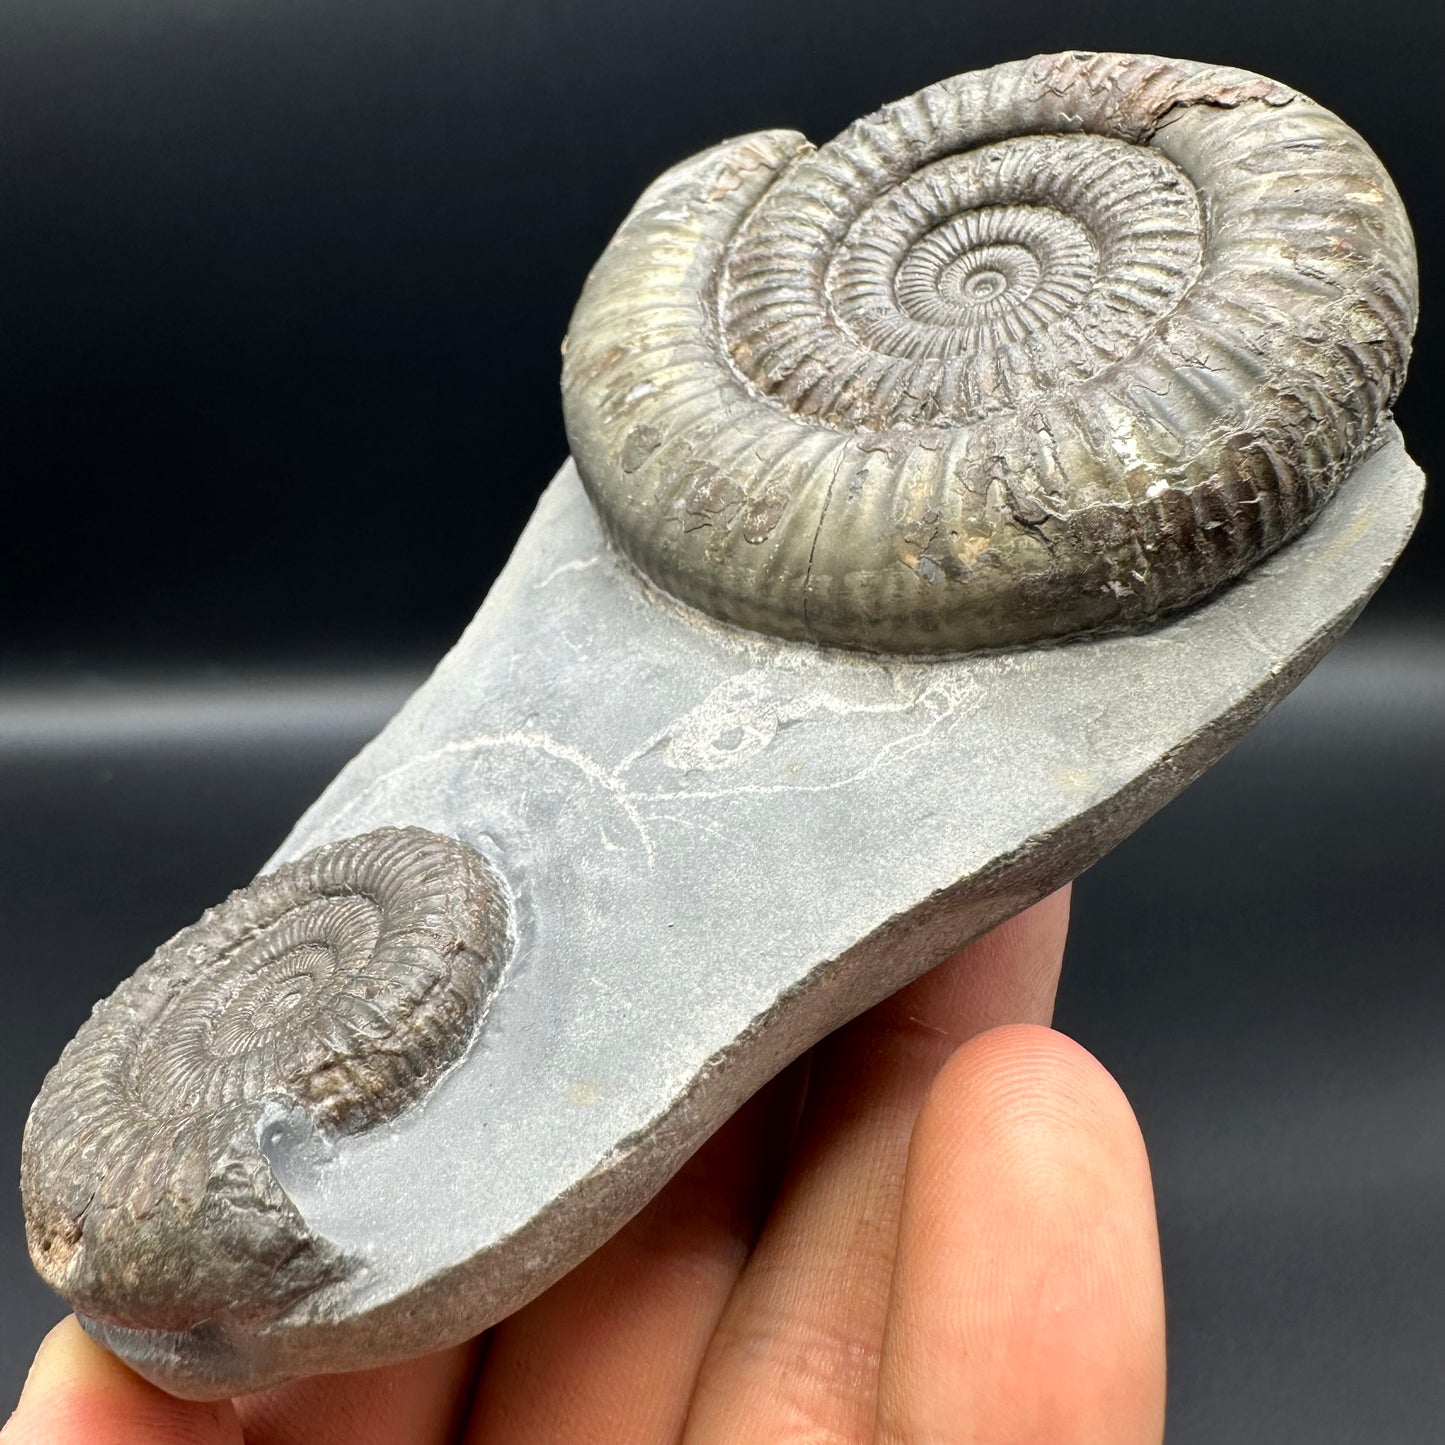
x=765, y=716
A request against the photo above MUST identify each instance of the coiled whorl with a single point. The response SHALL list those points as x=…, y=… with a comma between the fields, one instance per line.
x=340, y=987
x=1042, y=349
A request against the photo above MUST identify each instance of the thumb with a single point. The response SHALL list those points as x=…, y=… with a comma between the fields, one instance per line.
x=79, y=1394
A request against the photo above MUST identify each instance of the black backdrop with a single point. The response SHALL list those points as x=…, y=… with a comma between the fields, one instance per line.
x=282, y=284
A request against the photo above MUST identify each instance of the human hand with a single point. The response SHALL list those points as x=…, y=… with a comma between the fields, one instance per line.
x=937, y=1228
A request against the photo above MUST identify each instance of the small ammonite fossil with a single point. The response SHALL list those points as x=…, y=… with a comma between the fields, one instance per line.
x=1043, y=349
x=343, y=985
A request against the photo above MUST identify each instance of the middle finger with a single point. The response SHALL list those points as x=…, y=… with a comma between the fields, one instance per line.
x=796, y=1353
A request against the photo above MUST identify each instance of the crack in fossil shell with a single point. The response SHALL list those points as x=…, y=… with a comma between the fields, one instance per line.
x=1050, y=348
x=342, y=985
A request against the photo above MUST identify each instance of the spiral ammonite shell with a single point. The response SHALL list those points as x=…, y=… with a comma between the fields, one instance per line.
x=343, y=984
x=1042, y=349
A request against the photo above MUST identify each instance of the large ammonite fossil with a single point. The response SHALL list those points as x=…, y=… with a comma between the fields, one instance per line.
x=1042, y=349
x=1046, y=349
x=341, y=985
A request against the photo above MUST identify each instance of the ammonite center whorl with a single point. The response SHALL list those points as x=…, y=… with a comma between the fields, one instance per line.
x=1042, y=349
x=342, y=985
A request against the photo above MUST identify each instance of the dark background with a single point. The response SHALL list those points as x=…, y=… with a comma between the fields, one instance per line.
x=284, y=280
x=282, y=284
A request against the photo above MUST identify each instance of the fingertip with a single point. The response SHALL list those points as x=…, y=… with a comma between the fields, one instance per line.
x=78, y=1393
x=55, y=1340
x=1007, y=975
x=1028, y=1294
x=68, y=1357
x=1029, y=1090
x=68, y=1362
x=1031, y=1116
x=1049, y=917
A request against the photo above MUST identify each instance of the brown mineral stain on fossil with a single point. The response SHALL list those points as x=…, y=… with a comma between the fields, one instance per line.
x=343, y=985
x=1103, y=329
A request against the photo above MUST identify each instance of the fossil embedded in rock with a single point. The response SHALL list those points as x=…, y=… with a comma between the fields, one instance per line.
x=1053, y=349
x=341, y=985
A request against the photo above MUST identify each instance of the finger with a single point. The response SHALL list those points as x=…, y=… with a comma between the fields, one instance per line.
x=1027, y=1301
x=420, y=1402
x=79, y=1394
x=1009, y=976
x=611, y=1352
x=796, y=1353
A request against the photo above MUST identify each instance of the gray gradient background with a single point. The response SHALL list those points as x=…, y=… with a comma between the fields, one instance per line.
x=281, y=285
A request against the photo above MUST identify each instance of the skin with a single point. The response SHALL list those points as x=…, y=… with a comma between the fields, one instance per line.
x=938, y=1229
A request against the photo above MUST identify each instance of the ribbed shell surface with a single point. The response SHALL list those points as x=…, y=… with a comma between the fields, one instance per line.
x=341, y=985
x=1048, y=348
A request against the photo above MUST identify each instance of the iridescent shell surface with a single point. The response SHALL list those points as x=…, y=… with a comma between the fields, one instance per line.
x=1042, y=349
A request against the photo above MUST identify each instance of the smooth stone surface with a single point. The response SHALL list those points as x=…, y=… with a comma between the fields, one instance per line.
x=721, y=848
